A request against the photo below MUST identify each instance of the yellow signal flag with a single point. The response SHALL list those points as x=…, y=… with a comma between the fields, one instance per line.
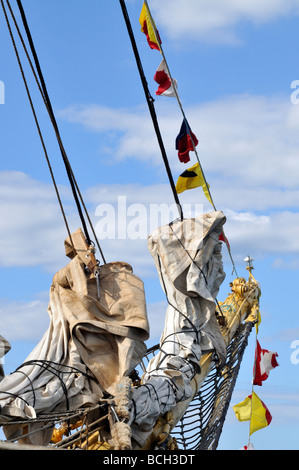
x=148, y=27
x=254, y=410
x=259, y=320
x=193, y=178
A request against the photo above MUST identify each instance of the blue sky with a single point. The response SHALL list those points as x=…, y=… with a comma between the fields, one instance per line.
x=234, y=63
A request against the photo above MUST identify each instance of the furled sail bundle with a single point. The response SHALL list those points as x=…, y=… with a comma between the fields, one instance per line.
x=4, y=348
x=188, y=258
x=89, y=346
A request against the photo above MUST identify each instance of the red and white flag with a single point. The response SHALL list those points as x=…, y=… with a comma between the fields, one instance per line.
x=223, y=238
x=264, y=362
x=166, y=87
x=248, y=447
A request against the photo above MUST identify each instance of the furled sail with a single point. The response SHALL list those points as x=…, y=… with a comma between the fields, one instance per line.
x=89, y=346
x=188, y=258
x=4, y=348
x=86, y=360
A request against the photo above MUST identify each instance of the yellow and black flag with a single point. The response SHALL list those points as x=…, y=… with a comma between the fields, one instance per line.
x=192, y=178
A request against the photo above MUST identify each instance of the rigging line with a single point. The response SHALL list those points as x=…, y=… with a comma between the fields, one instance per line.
x=52, y=118
x=15, y=396
x=150, y=102
x=44, y=92
x=45, y=366
x=31, y=385
x=67, y=166
x=36, y=122
x=252, y=385
x=193, y=327
x=193, y=261
x=198, y=267
x=189, y=130
x=51, y=364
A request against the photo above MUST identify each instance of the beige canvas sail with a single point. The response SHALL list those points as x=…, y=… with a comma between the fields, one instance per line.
x=89, y=346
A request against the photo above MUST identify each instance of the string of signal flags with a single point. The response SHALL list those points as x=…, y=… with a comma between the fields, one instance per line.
x=253, y=409
x=186, y=141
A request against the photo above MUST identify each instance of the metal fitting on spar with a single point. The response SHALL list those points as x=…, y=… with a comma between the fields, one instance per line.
x=240, y=289
x=173, y=459
x=238, y=286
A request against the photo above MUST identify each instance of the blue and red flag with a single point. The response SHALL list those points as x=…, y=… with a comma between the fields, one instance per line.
x=185, y=142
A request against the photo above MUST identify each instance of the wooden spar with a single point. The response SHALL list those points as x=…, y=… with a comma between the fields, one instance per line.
x=4, y=445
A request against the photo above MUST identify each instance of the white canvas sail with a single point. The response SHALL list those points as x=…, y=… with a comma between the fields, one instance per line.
x=189, y=262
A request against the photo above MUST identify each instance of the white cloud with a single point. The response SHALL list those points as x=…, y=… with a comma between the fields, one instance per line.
x=32, y=230
x=251, y=139
x=286, y=263
x=262, y=233
x=275, y=234
x=215, y=20
x=133, y=128
x=28, y=207
x=248, y=149
x=24, y=321
x=17, y=318
x=248, y=139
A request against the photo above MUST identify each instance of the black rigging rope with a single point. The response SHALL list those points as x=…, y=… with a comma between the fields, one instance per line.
x=43, y=90
x=50, y=109
x=150, y=102
x=35, y=117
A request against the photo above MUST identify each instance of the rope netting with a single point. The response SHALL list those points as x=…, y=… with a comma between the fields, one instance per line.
x=201, y=426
